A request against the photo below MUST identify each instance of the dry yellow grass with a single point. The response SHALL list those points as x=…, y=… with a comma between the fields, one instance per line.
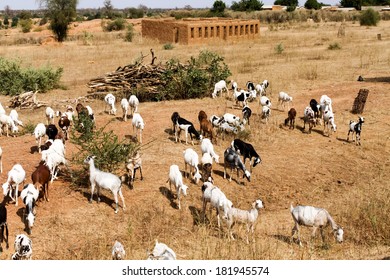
x=297, y=168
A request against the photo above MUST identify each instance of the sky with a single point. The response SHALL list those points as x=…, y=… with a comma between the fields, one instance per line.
x=120, y=4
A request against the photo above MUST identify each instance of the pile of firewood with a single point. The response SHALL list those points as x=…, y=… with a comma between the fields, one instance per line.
x=131, y=78
x=26, y=100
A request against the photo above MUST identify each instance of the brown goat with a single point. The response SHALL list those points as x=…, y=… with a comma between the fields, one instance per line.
x=206, y=127
x=292, y=113
x=206, y=173
x=42, y=176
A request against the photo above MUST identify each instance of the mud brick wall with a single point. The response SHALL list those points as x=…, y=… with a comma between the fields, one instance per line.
x=198, y=31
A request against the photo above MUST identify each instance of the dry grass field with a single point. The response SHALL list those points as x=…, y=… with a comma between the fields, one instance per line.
x=351, y=182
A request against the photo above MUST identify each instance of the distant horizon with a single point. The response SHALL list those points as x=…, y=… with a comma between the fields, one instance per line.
x=122, y=4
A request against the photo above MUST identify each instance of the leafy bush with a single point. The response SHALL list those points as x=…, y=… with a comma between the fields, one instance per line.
x=129, y=33
x=279, y=49
x=111, y=152
x=26, y=25
x=15, y=80
x=334, y=46
x=168, y=46
x=15, y=21
x=194, y=79
x=369, y=18
x=115, y=25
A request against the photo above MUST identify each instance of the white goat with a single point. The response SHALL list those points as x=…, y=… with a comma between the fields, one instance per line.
x=231, y=119
x=283, y=99
x=125, y=108
x=217, y=199
x=118, y=251
x=134, y=103
x=138, y=125
x=110, y=101
x=16, y=176
x=219, y=87
x=1, y=160
x=176, y=179
x=104, y=180
x=162, y=252
x=248, y=217
x=23, y=248
x=29, y=196
x=329, y=122
x=54, y=157
x=6, y=123
x=264, y=101
x=134, y=163
x=207, y=147
x=39, y=132
x=49, y=112
x=2, y=111
x=314, y=217
x=325, y=104
x=15, y=117
x=191, y=158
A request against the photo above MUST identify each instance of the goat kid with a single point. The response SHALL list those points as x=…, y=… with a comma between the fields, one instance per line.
x=356, y=128
x=232, y=160
x=23, y=248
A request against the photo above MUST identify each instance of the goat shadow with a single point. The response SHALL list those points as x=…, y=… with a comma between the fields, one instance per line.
x=20, y=213
x=170, y=196
x=283, y=238
x=343, y=140
x=103, y=198
x=197, y=216
x=132, y=138
x=171, y=134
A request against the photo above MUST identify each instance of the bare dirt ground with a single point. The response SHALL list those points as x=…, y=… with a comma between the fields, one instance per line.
x=297, y=168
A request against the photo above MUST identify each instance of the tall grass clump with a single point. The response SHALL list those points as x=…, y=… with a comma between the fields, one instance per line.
x=129, y=33
x=15, y=79
x=369, y=17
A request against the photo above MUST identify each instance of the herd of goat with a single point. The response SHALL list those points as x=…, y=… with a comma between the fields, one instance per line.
x=234, y=158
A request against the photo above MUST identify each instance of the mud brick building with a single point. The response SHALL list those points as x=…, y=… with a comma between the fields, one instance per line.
x=201, y=30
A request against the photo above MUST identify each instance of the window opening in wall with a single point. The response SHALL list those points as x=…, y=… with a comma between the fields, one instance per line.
x=256, y=28
x=246, y=29
x=224, y=32
x=241, y=30
x=206, y=32
x=200, y=32
x=251, y=28
x=192, y=32
x=236, y=30
x=217, y=31
x=212, y=31
x=230, y=30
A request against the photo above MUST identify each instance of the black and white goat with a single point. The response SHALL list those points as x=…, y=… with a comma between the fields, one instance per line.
x=315, y=107
x=247, y=151
x=241, y=96
x=232, y=160
x=309, y=117
x=356, y=128
x=188, y=127
x=29, y=196
x=3, y=225
x=246, y=114
x=23, y=248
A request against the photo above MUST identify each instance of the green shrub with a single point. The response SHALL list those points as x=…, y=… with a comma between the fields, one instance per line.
x=369, y=17
x=115, y=25
x=334, y=46
x=15, y=21
x=15, y=80
x=111, y=152
x=194, y=79
x=279, y=48
x=168, y=46
x=129, y=33
x=26, y=25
